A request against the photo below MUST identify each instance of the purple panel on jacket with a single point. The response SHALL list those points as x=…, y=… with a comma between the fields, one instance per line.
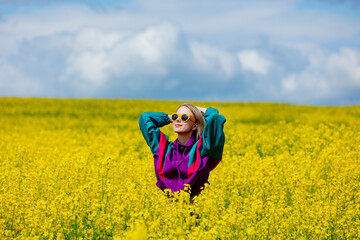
x=175, y=166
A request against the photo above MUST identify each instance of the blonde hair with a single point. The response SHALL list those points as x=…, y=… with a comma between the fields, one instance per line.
x=200, y=121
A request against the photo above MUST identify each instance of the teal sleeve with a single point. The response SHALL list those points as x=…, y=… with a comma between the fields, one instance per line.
x=150, y=122
x=213, y=135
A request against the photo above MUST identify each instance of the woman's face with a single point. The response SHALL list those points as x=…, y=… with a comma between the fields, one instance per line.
x=183, y=127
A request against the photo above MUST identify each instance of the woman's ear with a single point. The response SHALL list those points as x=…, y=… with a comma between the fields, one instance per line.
x=194, y=127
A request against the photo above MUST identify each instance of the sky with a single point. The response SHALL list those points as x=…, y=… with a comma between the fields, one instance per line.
x=304, y=52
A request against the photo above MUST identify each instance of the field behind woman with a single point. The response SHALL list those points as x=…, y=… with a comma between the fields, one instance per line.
x=72, y=169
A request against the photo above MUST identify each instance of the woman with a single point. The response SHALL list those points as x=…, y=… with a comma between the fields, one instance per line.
x=197, y=150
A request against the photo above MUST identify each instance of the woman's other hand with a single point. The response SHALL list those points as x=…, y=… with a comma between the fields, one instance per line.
x=202, y=110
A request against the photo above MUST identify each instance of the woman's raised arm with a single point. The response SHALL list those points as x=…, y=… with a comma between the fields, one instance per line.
x=213, y=135
x=149, y=123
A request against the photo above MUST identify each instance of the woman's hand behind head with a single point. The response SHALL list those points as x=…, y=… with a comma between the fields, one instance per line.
x=201, y=109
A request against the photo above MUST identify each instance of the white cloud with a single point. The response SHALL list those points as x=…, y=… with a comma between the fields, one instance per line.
x=156, y=44
x=345, y=65
x=95, y=39
x=89, y=66
x=150, y=52
x=289, y=83
x=213, y=60
x=88, y=59
x=97, y=56
x=13, y=82
x=328, y=75
x=253, y=61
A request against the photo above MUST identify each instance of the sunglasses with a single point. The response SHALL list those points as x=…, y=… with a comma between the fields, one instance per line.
x=183, y=117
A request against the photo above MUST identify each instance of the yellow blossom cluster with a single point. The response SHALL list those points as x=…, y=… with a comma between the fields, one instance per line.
x=80, y=169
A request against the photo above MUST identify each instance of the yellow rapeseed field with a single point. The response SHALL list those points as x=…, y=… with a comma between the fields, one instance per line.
x=80, y=169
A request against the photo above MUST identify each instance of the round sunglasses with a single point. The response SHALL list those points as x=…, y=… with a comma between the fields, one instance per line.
x=183, y=117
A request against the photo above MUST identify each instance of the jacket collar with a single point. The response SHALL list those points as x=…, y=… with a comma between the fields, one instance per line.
x=190, y=142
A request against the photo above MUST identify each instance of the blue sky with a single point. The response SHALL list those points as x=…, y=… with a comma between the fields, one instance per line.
x=290, y=51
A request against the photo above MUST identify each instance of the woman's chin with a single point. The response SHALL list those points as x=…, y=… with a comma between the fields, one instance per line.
x=181, y=131
x=178, y=130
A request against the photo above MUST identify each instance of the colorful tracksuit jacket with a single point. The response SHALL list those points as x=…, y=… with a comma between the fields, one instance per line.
x=176, y=164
